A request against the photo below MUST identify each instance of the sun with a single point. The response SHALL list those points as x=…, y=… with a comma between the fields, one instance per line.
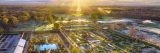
x=77, y=6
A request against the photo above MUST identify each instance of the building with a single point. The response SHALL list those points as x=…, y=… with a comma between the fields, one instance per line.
x=10, y=42
x=20, y=46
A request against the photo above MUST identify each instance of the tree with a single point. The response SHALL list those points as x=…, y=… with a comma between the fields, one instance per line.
x=95, y=16
x=36, y=18
x=114, y=51
x=75, y=50
x=55, y=17
x=0, y=17
x=50, y=19
x=42, y=41
x=60, y=18
x=57, y=26
x=5, y=20
x=41, y=18
x=25, y=13
x=1, y=30
x=14, y=20
x=24, y=18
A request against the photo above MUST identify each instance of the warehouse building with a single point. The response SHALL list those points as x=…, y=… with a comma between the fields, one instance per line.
x=11, y=43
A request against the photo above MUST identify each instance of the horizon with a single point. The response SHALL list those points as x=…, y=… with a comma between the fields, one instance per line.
x=89, y=2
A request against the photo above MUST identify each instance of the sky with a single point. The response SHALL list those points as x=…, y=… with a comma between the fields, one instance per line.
x=93, y=2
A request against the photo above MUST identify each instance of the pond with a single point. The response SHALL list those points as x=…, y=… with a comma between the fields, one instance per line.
x=48, y=47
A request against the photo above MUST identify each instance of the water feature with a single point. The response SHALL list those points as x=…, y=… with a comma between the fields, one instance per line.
x=48, y=47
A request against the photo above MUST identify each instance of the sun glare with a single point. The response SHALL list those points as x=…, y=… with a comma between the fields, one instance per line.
x=78, y=5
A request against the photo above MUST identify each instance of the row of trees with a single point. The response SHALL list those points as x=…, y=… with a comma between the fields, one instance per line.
x=13, y=18
x=10, y=20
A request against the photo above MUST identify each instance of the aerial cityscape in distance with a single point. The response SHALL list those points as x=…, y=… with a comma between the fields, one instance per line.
x=79, y=26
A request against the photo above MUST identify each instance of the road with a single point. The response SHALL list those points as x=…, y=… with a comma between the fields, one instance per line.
x=65, y=42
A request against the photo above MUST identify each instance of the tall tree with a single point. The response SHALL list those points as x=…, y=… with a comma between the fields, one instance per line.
x=14, y=20
x=1, y=30
x=0, y=17
x=57, y=26
x=5, y=20
x=75, y=50
x=24, y=18
x=25, y=13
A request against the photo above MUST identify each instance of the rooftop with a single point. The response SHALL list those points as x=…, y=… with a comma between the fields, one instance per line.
x=8, y=42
